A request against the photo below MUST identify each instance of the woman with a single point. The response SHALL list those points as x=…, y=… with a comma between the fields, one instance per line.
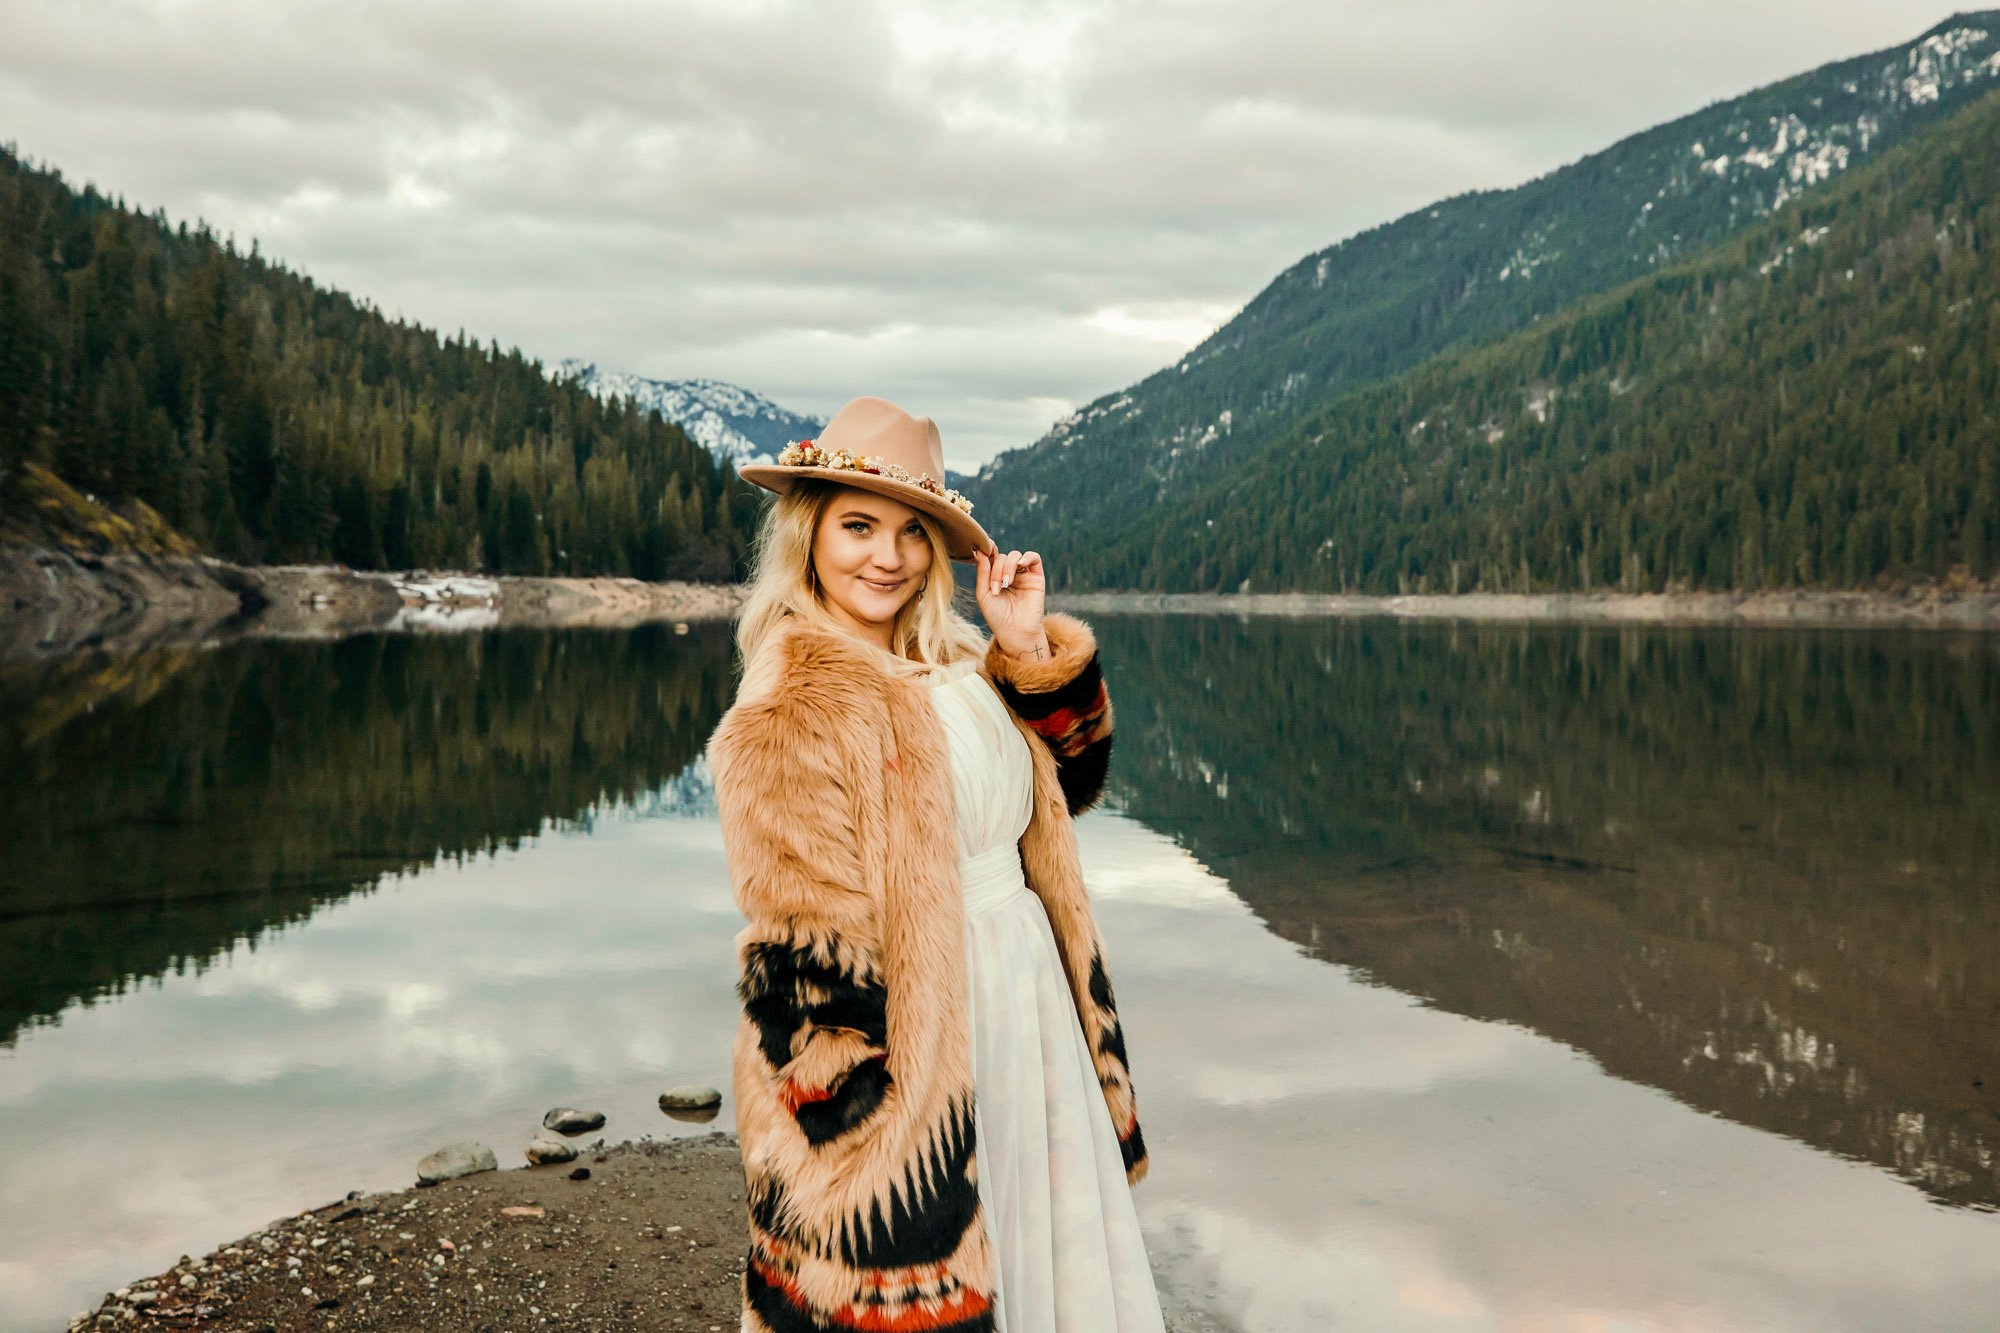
x=937, y=1123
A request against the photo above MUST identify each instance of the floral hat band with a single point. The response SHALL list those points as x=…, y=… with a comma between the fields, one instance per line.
x=873, y=445
x=808, y=453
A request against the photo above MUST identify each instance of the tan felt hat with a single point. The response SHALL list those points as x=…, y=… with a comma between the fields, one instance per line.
x=876, y=446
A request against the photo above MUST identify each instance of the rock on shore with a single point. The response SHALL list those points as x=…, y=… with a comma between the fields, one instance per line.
x=546, y=1149
x=570, y=1122
x=652, y=1240
x=455, y=1160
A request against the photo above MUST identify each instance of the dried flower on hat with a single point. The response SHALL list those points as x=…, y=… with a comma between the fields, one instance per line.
x=807, y=453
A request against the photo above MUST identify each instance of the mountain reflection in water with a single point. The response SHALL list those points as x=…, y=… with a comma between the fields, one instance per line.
x=163, y=807
x=1759, y=871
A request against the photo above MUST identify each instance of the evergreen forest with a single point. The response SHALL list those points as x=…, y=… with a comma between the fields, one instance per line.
x=1475, y=268
x=1811, y=403
x=272, y=420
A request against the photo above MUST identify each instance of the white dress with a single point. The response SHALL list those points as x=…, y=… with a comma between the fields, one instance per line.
x=1051, y=1181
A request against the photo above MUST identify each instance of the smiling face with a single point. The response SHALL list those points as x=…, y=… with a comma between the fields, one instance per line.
x=871, y=556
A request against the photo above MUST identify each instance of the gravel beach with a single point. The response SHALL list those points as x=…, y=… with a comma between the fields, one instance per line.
x=652, y=1239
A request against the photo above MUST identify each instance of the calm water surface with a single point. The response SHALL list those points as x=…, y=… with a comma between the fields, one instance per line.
x=1476, y=978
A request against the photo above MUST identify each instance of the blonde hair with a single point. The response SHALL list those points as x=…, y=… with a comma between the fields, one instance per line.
x=928, y=633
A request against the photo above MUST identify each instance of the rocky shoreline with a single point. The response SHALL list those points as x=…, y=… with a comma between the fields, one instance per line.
x=644, y=1235
x=54, y=602
x=1966, y=605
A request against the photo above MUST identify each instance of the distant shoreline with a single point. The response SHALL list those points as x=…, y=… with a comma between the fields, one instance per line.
x=55, y=602
x=1972, y=607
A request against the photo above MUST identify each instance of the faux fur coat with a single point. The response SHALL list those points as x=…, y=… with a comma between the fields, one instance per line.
x=853, y=1059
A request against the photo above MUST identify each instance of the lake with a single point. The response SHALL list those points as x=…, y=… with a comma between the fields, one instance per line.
x=1475, y=977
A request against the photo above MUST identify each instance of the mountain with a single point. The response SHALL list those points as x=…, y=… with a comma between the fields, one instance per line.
x=271, y=419
x=1473, y=268
x=1815, y=402
x=731, y=423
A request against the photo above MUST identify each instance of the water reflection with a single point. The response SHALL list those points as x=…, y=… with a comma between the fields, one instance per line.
x=164, y=807
x=339, y=904
x=1759, y=871
x=1334, y=1154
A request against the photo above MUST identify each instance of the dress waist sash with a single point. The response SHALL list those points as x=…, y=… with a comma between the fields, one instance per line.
x=993, y=878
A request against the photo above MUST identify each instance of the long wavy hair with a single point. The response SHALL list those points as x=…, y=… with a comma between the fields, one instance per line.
x=928, y=633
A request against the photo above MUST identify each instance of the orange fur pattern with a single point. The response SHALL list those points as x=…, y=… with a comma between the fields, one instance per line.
x=853, y=1070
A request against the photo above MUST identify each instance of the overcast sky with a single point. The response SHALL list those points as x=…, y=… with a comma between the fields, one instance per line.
x=990, y=212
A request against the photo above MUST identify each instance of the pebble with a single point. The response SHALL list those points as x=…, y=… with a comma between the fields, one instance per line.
x=547, y=1149
x=691, y=1102
x=571, y=1122
x=454, y=1160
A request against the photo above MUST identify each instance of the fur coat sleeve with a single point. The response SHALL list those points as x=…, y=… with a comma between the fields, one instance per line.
x=1062, y=705
x=1063, y=701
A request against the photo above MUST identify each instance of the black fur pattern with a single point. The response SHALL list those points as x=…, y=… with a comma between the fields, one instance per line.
x=767, y=1207
x=1081, y=748
x=929, y=1215
x=1112, y=1043
x=1133, y=1148
x=777, y=977
x=1082, y=774
x=1078, y=692
x=859, y=1093
x=780, y=1315
x=774, y=1307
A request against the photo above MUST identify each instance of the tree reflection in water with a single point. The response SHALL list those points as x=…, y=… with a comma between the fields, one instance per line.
x=1757, y=870
x=165, y=806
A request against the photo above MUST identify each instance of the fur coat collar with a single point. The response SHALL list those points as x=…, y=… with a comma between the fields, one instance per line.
x=852, y=1061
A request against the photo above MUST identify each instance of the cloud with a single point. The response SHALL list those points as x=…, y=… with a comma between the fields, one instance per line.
x=988, y=211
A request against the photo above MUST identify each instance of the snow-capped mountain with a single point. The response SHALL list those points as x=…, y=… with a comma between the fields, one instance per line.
x=1474, y=267
x=730, y=422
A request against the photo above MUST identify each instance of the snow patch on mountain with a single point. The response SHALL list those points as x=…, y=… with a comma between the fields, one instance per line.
x=1803, y=154
x=729, y=421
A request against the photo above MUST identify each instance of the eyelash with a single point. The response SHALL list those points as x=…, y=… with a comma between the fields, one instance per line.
x=857, y=527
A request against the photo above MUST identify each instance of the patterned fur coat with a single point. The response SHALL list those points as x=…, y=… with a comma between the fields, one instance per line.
x=853, y=1062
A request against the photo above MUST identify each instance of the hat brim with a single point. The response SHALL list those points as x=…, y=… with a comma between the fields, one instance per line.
x=962, y=533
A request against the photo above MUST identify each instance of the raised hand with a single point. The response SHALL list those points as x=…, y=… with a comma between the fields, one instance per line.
x=1010, y=589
